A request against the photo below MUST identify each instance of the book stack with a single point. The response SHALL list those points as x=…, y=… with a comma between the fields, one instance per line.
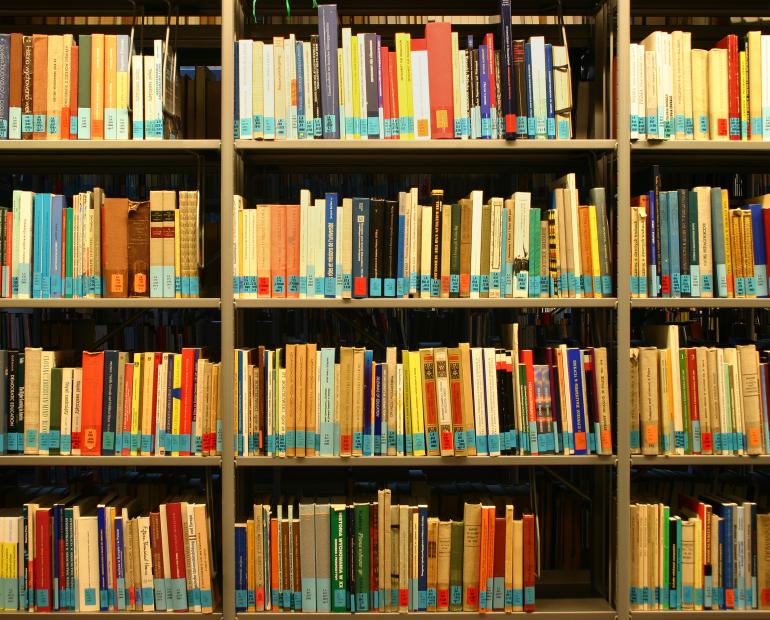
x=693, y=243
x=680, y=93
x=457, y=401
x=113, y=404
x=380, y=556
x=698, y=400
x=710, y=552
x=99, y=246
x=374, y=247
x=52, y=88
x=91, y=554
x=433, y=87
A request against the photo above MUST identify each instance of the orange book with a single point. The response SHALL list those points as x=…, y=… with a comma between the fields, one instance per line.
x=128, y=396
x=39, y=85
x=484, y=594
x=291, y=416
x=292, y=249
x=189, y=362
x=429, y=403
x=275, y=584
x=97, y=86
x=584, y=223
x=310, y=400
x=301, y=383
x=527, y=360
x=91, y=407
x=278, y=250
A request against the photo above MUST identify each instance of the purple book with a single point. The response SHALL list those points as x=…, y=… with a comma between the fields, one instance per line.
x=328, y=36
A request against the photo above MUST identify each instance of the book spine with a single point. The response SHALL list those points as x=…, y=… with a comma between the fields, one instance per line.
x=330, y=280
x=328, y=43
x=5, y=82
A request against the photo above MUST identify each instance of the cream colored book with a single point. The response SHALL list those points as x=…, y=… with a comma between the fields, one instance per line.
x=432, y=569
x=493, y=414
x=752, y=407
x=305, y=200
x=268, y=91
x=479, y=400
x=521, y=208
x=32, y=365
x=55, y=86
x=660, y=43
x=280, y=89
x=404, y=554
x=765, y=45
x=190, y=537
x=754, y=49
x=518, y=561
x=705, y=251
x=257, y=89
x=688, y=560
x=667, y=337
x=687, y=78
x=636, y=105
x=733, y=392
x=496, y=249
x=443, y=401
x=47, y=362
x=666, y=398
x=203, y=530
x=261, y=231
x=652, y=102
x=66, y=409
x=77, y=381
x=649, y=385
x=704, y=402
x=469, y=419
x=87, y=553
x=145, y=562
x=725, y=421
x=477, y=200
x=357, y=410
x=700, y=94
x=471, y=555
x=446, y=241
x=718, y=95
x=677, y=51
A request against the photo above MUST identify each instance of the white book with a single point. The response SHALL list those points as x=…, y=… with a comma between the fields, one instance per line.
x=319, y=211
x=765, y=87
x=566, y=395
x=521, y=207
x=257, y=90
x=159, y=77
x=87, y=554
x=347, y=84
x=304, y=207
x=677, y=73
x=346, y=246
x=479, y=402
x=149, y=98
x=442, y=399
x=562, y=93
x=493, y=413
x=657, y=65
x=496, y=250
x=725, y=420
x=399, y=409
x=47, y=361
x=66, y=412
x=420, y=94
x=705, y=253
x=641, y=91
x=137, y=96
x=290, y=80
x=245, y=118
x=415, y=242
x=477, y=198
x=426, y=230
x=668, y=75
x=537, y=54
x=307, y=66
x=25, y=245
x=268, y=92
x=689, y=125
x=281, y=88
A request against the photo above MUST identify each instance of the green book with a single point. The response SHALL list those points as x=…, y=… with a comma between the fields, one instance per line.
x=339, y=557
x=534, y=252
x=456, y=567
x=685, y=405
x=68, y=281
x=454, y=252
x=54, y=432
x=666, y=560
x=84, y=87
x=361, y=555
x=486, y=223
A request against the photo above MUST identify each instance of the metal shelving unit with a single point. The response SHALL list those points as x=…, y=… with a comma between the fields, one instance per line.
x=385, y=302
x=430, y=461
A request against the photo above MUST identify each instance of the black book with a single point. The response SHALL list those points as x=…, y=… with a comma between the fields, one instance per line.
x=109, y=402
x=376, y=246
x=316, y=73
x=390, y=267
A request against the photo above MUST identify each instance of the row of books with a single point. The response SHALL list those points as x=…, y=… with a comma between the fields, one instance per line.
x=85, y=553
x=709, y=552
x=374, y=247
x=100, y=246
x=423, y=88
x=459, y=401
x=692, y=243
x=52, y=88
x=380, y=556
x=698, y=400
x=113, y=404
x=680, y=93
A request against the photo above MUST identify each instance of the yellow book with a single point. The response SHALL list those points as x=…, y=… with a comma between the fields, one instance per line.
x=250, y=565
x=110, y=86
x=177, y=256
x=291, y=414
x=148, y=368
x=279, y=79
x=737, y=252
x=354, y=72
x=407, y=424
x=747, y=242
x=726, y=241
x=754, y=62
x=97, y=86
x=404, y=69
x=123, y=77
x=744, y=86
x=416, y=405
x=55, y=90
x=595, y=267
x=357, y=409
x=176, y=403
x=136, y=402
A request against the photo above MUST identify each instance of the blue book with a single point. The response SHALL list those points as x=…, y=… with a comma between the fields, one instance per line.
x=665, y=265
x=578, y=413
x=302, y=125
x=45, y=259
x=652, y=246
x=330, y=267
x=328, y=42
x=550, y=107
x=531, y=132
x=361, y=208
x=241, y=570
x=673, y=246
x=5, y=80
x=37, y=246
x=150, y=130
x=760, y=257
x=57, y=208
x=101, y=525
x=379, y=422
x=486, y=118
x=367, y=446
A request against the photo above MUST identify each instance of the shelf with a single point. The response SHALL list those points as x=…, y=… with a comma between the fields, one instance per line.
x=664, y=460
x=109, y=146
x=113, y=615
x=400, y=302
x=140, y=302
x=682, y=153
x=689, y=8
x=424, y=461
x=17, y=460
x=699, y=302
x=563, y=609
x=700, y=615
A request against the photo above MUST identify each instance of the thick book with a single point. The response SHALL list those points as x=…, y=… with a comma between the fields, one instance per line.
x=115, y=247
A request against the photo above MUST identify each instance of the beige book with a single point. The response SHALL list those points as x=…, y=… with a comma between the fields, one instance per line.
x=471, y=555
x=257, y=88
x=636, y=584
x=145, y=561
x=643, y=549
x=652, y=99
x=346, y=243
x=763, y=560
x=433, y=527
x=700, y=94
x=733, y=387
x=203, y=532
x=169, y=243
x=291, y=412
x=648, y=399
x=87, y=553
x=301, y=383
x=687, y=79
x=748, y=366
x=357, y=410
x=55, y=89
x=704, y=402
x=653, y=536
x=665, y=402
x=495, y=244
x=263, y=251
x=346, y=396
x=311, y=369
x=518, y=560
x=718, y=95
x=446, y=238
x=688, y=559
x=47, y=362
x=156, y=244
x=392, y=413
x=443, y=404
x=32, y=361
x=469, y=421
x=754, y=49
x=677, y=51
x=635, y=402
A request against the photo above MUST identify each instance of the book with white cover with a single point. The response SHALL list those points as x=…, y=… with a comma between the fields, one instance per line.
x=700, y=94
x=268, y=92
x=521, y=249
x=477, y=198
x=257, y=90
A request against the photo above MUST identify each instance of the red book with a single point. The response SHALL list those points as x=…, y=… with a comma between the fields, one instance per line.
x=278, y=250
x=42, y=577
x=456, y=398
x=392, y=69
x=438, y=36
x=9, y=251
x=730, y=43
x=528, y=564
x=128, y=395
x=692, y=391
x=292, y=250
x=527, y=360
x=498, y=567
x=429, y=403
x=385, y=90
x=178, y=573
x=489, y=41
x=91, y=416
x=189, y=361
x=157, y=361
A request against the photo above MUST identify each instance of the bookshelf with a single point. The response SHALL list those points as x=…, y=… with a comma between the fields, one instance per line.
x=612, y=157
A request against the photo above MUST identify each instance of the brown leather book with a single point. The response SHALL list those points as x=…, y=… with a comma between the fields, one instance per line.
x=14, y=93
x=139, y=249
x=115, y=250
x=39, y=85
x=466, y=215
x=26, y=88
